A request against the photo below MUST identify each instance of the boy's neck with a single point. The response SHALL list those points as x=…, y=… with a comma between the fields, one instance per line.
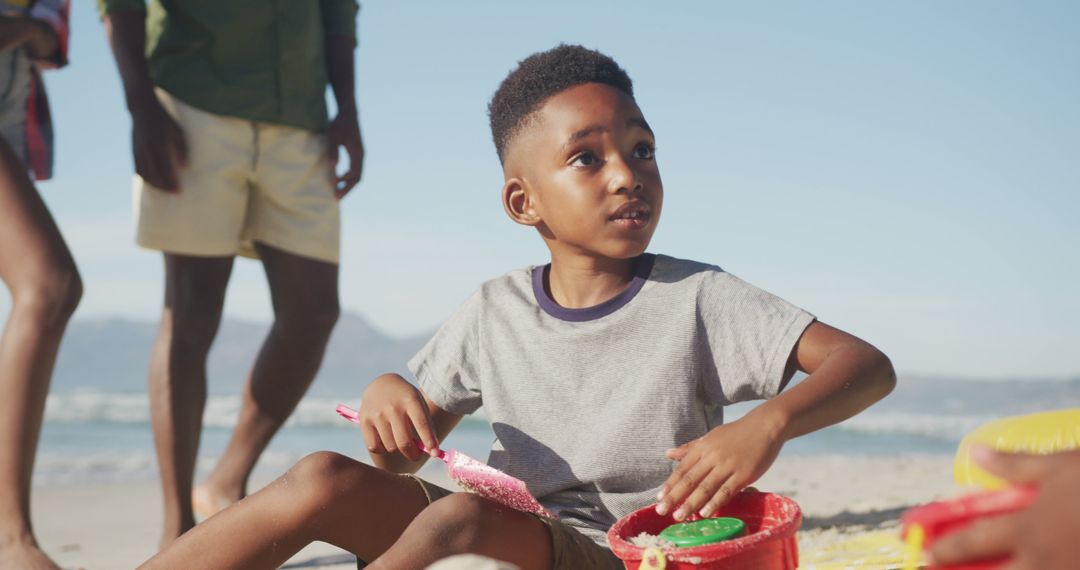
x=585, y=282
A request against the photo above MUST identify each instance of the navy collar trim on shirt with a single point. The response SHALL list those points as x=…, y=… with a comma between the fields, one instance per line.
x=641, y=275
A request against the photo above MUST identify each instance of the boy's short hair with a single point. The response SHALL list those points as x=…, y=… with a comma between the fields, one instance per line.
x=542, y=75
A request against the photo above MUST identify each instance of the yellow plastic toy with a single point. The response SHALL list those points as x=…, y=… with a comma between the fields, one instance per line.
x=1042, y=433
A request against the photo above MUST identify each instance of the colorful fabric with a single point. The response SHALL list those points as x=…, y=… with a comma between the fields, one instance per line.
x=37, y=136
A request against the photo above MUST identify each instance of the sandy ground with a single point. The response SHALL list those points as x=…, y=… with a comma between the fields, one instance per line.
x=116, y=526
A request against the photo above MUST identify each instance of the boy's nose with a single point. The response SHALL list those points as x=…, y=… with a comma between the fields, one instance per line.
x=623, y=178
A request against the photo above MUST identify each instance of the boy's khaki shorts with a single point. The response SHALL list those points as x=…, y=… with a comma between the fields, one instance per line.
x=245, y=182
x=570, y=550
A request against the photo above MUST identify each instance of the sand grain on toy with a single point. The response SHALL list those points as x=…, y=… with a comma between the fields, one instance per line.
x=480, y=478
x=646, y=540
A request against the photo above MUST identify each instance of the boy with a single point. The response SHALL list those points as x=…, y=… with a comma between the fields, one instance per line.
x=596, y=371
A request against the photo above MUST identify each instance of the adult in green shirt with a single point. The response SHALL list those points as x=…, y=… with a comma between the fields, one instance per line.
x=234, y=154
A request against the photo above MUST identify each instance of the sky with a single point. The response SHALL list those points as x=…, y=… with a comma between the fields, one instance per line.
x=906, y=171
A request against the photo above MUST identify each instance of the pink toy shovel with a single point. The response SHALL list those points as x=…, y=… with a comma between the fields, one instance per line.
x=477, y=477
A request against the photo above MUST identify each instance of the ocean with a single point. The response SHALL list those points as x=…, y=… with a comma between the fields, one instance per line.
x=92, y=436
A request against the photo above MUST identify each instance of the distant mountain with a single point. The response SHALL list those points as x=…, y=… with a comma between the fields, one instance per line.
x=113, y=355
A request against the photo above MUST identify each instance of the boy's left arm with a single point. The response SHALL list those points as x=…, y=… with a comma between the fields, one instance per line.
x=846, y=375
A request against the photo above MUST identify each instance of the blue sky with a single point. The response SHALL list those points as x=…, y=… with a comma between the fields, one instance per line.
x=907, y=171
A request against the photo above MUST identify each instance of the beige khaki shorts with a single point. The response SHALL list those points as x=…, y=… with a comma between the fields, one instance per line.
x=245, y=182
x=570, y=550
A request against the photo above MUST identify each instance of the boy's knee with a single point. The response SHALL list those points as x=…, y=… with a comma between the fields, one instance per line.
x=458, y=520
x=324, y=475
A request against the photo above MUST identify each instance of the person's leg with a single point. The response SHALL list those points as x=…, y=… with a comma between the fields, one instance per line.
x=305, y=299
x=194, y=297
x=37, y=268
x=325, y=496
x=464, y=523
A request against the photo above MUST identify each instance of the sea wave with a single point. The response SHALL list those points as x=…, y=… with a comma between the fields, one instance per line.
x=133, y=465
x=318, y=411
x=86, y=406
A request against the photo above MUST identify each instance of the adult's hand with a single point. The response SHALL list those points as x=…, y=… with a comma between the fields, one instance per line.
x=1040, y=537
x=344, y=132
x=158, y=144
x=38, y=38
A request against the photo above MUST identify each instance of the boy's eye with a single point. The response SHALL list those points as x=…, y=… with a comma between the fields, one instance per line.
x=584, y=159
x=644, y=151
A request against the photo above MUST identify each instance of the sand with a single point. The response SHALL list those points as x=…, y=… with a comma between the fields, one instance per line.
x=116, y=526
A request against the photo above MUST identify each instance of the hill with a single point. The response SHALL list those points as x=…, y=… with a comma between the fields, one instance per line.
x=112, y=355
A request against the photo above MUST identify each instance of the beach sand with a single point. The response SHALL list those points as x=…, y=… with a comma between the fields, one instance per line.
x=116, y=526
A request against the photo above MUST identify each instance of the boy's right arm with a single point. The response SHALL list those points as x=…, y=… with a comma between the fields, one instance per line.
x=157, y=141
x=392, y=414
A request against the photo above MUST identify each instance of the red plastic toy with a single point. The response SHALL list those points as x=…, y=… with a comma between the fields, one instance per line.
x=941, y=518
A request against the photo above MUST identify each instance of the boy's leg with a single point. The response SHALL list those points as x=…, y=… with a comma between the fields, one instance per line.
x=37, y=268
x=465, y=523
x=325, y=497
x=305, y=299
x=194, y=297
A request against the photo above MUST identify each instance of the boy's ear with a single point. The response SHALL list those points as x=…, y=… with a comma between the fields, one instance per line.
x=518, y=203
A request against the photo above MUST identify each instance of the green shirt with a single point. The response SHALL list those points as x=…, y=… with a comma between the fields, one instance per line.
x=262, y=60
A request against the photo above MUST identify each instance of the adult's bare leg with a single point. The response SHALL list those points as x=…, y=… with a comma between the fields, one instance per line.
x=305, y=298
x=325, y=496
x=194, y=297
x=38, y=270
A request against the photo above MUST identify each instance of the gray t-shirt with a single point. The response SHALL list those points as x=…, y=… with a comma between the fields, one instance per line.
x=584, y=402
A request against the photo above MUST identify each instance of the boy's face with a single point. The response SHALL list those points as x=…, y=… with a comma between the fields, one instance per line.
x=582, y=171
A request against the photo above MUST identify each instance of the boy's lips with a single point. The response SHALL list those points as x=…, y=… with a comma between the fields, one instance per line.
x=632, y=215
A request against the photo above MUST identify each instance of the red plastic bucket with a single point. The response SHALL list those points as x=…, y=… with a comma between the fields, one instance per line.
x=769, y=544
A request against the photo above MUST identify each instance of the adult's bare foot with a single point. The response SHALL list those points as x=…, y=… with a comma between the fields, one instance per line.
x=25, y=555
x=207, y=500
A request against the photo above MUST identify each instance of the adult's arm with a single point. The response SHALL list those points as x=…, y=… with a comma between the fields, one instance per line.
x=339, y=25
x=158, y=143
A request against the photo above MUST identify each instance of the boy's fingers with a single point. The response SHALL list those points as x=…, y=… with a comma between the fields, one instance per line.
x=386, y=436
x=698, y=495
x=984, y=539
x=677, y=453
x=403, y=437
x=718, y=491
x=421, y=421
x=676, y=476
x=682, y=489
x=1016, y=467
x=371, y=438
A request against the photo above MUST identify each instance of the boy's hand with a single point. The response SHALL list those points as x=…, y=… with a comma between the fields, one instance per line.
x=392, y=414
x=715, y=467
x=1042, y=536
